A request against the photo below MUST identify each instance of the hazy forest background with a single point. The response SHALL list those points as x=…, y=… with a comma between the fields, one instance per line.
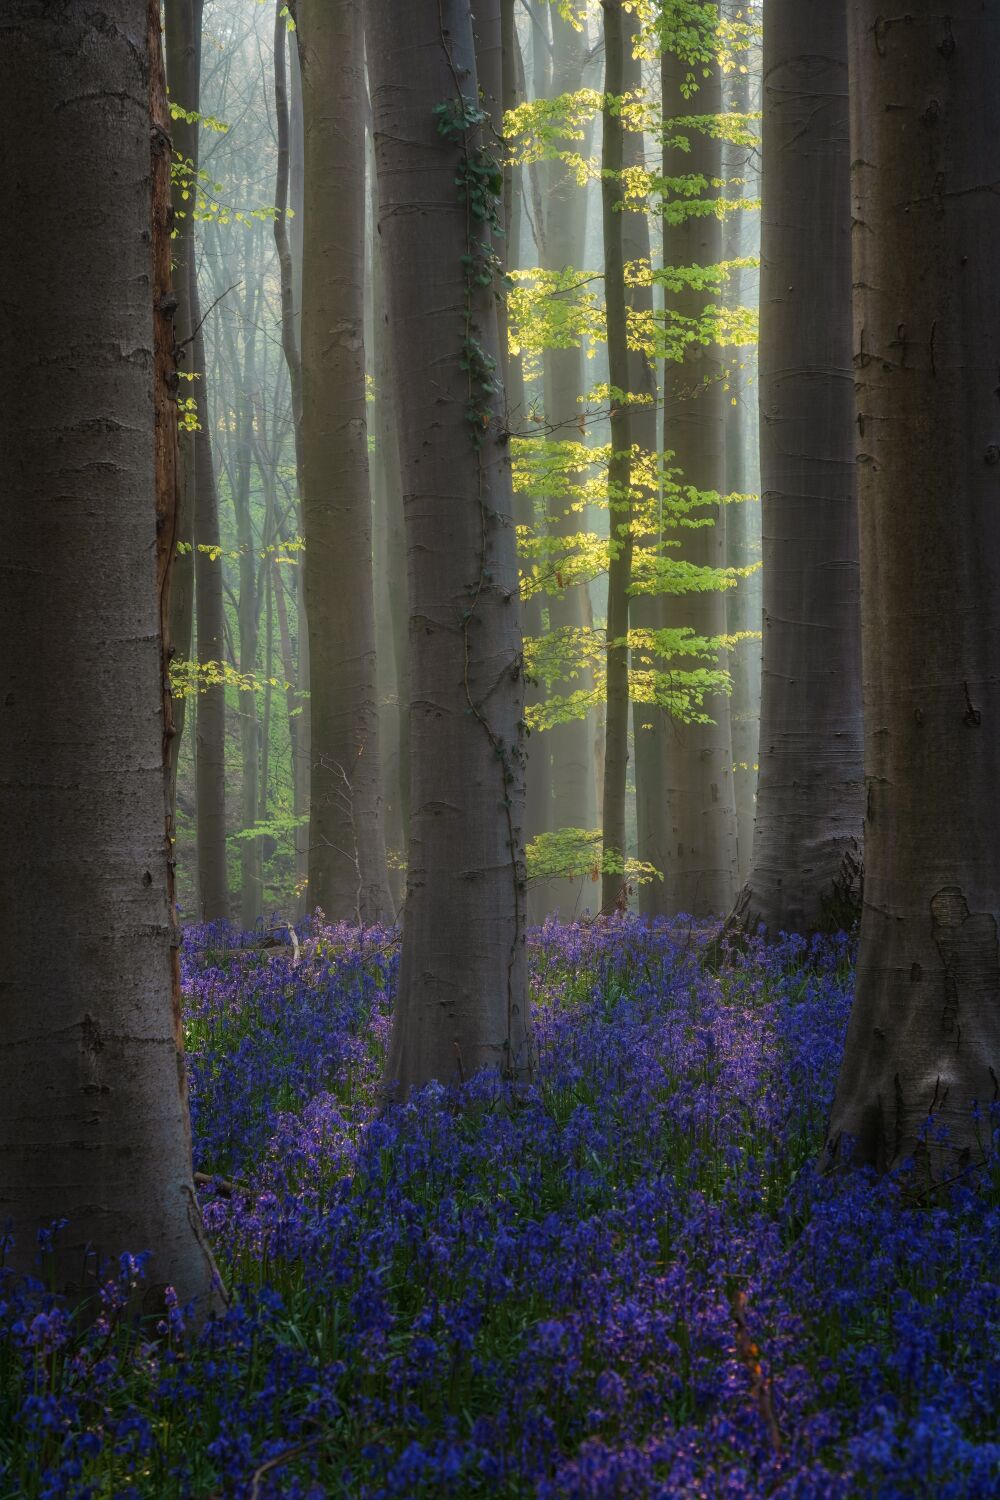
x=694, y=527
x=500, y=593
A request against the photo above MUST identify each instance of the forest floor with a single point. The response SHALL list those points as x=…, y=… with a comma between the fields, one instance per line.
x=630, y=1281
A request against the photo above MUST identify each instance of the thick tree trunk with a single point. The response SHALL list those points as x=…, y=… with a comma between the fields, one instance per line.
x=616, y=39
x=462, y=998
x=182, y=36
x=347, y=862
x=808, y=830
x=698, y=835
x=94, y=1118
x=924, y=1038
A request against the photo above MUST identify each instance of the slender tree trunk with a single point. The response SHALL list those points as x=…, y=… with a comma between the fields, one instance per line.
x=924, y=1038
x=251, y=862
x=462, y=998
x=91, y=1047
x=347, y=862
x=743, y=603
x=699, y=836
x=616, y=39
x=210, y=728
x=182, y=35
x=570, y=744
x=809, y=798
x=645, y=610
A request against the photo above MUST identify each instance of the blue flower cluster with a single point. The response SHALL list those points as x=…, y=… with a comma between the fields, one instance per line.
x=626, y=1281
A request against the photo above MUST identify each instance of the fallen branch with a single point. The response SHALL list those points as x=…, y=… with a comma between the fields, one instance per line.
x=761, y=1385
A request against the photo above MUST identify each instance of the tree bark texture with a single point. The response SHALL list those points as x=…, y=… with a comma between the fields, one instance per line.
x=297, y=701
x=698, y=835
x=462, y=998
x=743, y=603
x=94, y=1118
x=616, y=40
x=924, y=1037
x=809, y=796
x=347, y=860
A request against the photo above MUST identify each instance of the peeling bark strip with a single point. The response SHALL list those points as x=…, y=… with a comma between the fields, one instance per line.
x=809, y=796
x=347, y=863
x=462, y=996
x=924, y=1037
x=93, y=1123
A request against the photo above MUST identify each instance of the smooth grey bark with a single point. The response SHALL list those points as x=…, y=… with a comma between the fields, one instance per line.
x=348, y=878
x=924, y=1036
x=743, y=603
x=182, y=44
x=698, y=834
x=462, y=998
x=386, y=476
x=616, y=39
x=288, y=132
x=809, y=798
x=93, y=1110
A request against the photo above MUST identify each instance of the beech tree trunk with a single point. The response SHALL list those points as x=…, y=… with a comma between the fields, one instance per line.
x=698, y=836
x=93, y=1107
x=298, y=702
x=613, y=887
x=648, y=726
x=743, y=603
x=462, y=996
x=924, y=1038
x=806, y=849
x=347, y=861
x=574, y=800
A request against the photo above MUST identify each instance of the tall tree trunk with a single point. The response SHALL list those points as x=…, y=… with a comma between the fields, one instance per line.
x=251, y=861
x=92, y=1037
x=924, y=1038
x=347, y=862
x=699, y=835
x=809, y=797
x=288, y=131
x=617, y=38
x=210, y=708
x=646, y=611
x=182, y=35
x=743, y=603
x=570, y=744
x=386, y=476
x=462, y=998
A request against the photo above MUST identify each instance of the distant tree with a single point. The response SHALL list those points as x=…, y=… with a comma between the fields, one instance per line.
x=462, y=998
x=94, y=1122
x=808, y=828
x=347, y=858
x=617, y=40
x=697, y=837
x=198, y=525
x=924, y=1039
